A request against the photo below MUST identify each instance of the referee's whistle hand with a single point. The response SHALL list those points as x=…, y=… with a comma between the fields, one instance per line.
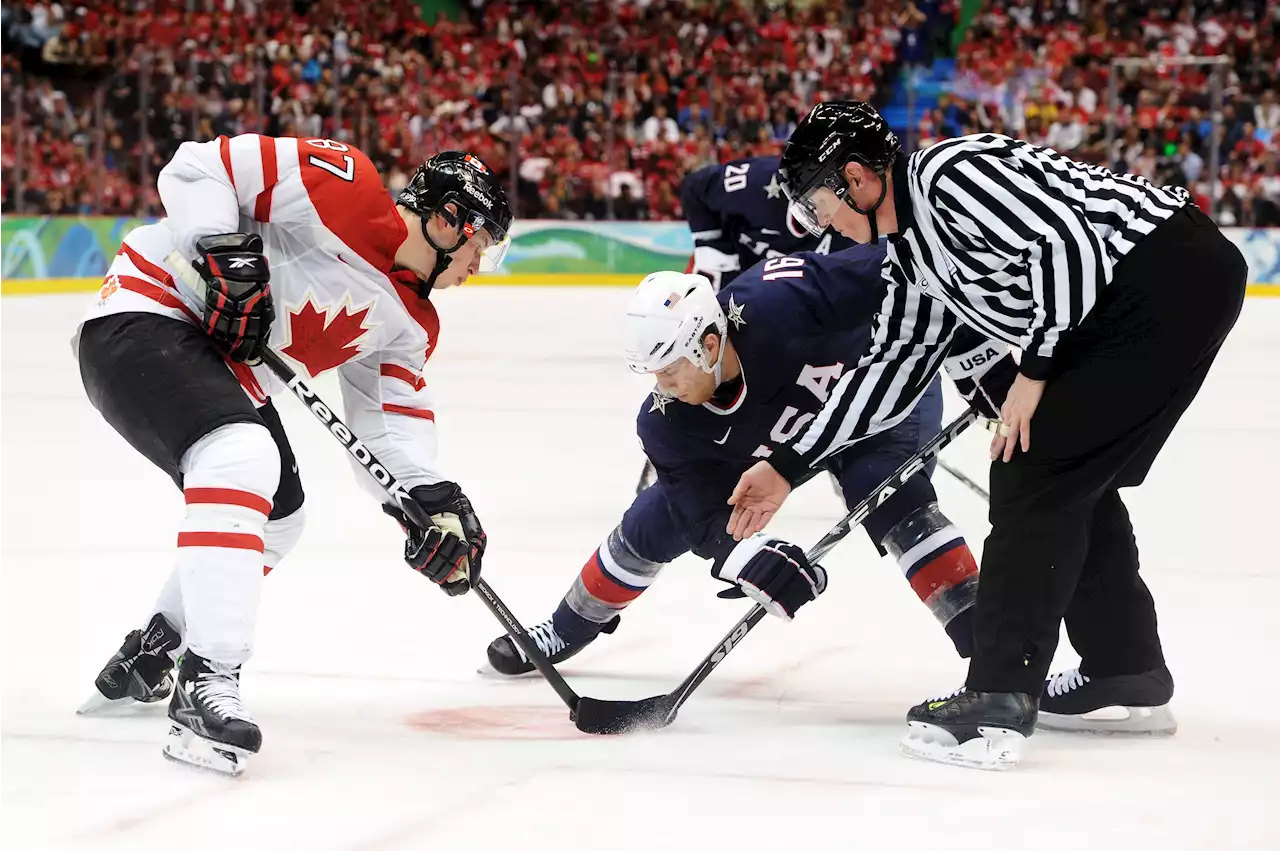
x=1015, y=418
x=758, y=496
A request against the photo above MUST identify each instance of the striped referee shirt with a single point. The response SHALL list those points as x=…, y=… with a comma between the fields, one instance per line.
x=997, y=239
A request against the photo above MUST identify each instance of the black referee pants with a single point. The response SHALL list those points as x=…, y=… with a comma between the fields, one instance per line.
x=1061, y=544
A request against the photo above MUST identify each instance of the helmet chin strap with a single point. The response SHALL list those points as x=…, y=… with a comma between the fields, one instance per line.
x=444, y=256
x=870, y=212
x=718, y=368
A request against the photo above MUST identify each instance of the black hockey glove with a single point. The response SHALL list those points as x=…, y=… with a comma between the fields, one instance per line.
x=983, y=373
x=238, y=310
x=449, y=553
x=772, y=572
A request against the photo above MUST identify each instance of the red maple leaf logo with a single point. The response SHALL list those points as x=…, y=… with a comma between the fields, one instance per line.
x=319, y=342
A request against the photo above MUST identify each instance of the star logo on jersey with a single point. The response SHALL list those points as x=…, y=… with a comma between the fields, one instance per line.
x=735, y=313
x=773, y=188
x=321, y=338
x=660, y=403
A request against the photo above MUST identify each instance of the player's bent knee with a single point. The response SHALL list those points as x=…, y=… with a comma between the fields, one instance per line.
x=239, y=456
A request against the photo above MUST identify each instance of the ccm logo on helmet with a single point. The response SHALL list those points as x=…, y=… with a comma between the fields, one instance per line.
x=829, y=150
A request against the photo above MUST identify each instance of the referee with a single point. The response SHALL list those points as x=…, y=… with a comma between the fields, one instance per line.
x=1118, y=295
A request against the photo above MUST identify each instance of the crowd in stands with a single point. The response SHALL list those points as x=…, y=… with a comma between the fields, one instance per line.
x=599, y=106
x=596, y=109
x=1039, y=69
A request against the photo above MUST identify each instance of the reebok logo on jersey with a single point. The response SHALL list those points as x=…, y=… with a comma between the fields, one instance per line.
x=243, y=262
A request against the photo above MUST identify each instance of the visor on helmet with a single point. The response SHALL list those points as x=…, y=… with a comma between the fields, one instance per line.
x=805, y=208
x=494, y=240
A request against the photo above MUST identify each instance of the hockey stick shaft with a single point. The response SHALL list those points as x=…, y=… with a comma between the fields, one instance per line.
x=965, y=480
x=415, y=512
x=841, y=530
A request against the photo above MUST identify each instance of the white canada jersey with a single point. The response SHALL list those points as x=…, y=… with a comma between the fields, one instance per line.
x=330, y=232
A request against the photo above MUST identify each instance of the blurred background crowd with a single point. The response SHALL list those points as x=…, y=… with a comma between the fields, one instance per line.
x=596, y=109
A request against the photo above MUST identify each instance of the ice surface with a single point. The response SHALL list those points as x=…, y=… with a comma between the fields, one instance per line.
x=380, y=735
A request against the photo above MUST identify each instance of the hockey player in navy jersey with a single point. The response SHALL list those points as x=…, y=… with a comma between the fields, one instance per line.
x=739, y=216
x=738, y=373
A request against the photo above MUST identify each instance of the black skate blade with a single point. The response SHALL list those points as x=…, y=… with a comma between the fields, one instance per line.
x=616, y=717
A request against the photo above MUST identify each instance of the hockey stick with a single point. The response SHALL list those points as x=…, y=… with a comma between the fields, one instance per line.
x=416, y=514
x=965, y=480
x=621, y=716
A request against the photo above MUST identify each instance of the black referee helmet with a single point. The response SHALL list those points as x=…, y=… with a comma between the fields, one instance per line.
x=833, y=134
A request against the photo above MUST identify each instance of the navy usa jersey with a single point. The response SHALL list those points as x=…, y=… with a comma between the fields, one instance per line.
x=738, y=209
x=797, y=324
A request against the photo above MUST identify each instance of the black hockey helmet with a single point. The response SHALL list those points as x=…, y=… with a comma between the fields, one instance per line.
x=462, y=190
x=830, y=136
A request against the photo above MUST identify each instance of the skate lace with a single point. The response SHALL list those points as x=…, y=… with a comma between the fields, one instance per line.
x=1060, y=684
x=953, y=694
x=547, y=639
x=219, y=689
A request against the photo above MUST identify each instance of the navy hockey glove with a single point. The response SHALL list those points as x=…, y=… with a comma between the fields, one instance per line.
x=772, y=572
x=449, y=553
x=238, y=310
x=983, y=375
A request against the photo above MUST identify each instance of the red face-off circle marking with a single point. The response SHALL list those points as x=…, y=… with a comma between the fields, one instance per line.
x=497, y=722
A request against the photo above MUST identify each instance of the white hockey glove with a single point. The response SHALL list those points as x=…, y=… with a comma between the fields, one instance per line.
x=774, y=573
x=712, y=263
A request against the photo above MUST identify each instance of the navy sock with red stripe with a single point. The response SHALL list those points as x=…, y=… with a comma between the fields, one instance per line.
x=613, y=577
x=942, y=571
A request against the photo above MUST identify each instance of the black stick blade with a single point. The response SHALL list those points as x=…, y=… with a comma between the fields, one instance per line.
x=614, y=717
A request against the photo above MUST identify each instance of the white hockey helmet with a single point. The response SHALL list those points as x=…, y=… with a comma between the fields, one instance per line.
x=668, y=316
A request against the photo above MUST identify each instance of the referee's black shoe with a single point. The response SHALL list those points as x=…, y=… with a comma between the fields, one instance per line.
x=976, y=729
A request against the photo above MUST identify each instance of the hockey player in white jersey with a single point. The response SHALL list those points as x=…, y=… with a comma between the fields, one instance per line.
x=299, y=246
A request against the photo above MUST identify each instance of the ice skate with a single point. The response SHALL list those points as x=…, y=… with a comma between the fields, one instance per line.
x=141, y=671
x=1130, y=703
x=507, y=659
x=211, y=728
x=973, y=729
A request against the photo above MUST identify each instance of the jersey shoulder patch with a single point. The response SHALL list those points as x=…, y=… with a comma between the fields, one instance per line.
x=348, y=195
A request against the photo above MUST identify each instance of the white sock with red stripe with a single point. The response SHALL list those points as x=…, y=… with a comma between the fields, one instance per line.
x=229, y=476
x=279, y=538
